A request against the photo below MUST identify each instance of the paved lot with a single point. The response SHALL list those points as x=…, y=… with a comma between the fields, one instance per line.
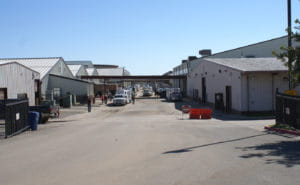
x=149, y=144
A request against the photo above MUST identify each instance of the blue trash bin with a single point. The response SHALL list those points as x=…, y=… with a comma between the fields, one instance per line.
x=33, y=119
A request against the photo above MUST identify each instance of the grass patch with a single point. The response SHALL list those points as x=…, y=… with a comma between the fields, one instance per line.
x=282, y=126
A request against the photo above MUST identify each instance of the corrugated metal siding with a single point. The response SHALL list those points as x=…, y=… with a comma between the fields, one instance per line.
x=261, y=91
x=61, y=69
x=75, y=87
x=18, y=79
x=41, y=65
x=263, y=49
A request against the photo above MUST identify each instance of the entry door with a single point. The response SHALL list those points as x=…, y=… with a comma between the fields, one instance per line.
x=3, y=93
x=228, y=99
x=203, y=90
x=196, y=94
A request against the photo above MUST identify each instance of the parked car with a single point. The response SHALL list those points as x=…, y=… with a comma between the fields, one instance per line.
x=147, y=92
x=173, y=94
x=163, y=92
x=120, y=99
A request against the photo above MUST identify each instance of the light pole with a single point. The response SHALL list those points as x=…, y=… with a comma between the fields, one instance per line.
x=289, y=12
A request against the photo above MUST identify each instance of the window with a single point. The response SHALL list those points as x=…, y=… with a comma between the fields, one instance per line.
x=3, y=93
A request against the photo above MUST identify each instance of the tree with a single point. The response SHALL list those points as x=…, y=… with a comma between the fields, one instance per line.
x=294, y=52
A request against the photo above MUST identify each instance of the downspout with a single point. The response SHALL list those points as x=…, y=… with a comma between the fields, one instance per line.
x=248, y=94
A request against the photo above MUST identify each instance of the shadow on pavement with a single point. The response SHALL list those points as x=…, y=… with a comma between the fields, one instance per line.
x=147, y=97
x=189, y=149
x=284, y=152
x=113, y=105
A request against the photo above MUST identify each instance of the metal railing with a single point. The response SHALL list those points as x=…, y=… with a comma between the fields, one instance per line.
x=15, y=115
x=288, y=110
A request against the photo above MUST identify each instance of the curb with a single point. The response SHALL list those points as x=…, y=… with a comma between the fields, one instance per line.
x=283, y=131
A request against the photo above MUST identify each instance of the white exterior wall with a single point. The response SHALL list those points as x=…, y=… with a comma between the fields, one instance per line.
x=216, y=82
x=259, y=90
x=18, y=79
x=262, y=86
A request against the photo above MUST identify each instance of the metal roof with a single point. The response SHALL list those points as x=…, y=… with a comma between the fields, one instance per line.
x=87, y=63
x=91, y=71
x=41, y=65
x=250, y=64
x=10, y=63
x=74, y=69
x=111, y=72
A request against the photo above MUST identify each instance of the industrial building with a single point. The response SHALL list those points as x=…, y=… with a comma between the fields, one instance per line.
x=257, y=50
x=110, y=85
x=53, y=70
x=78, y=70
x=19, y=81
x=238, y=84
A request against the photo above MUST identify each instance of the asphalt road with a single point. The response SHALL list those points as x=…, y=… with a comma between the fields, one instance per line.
x=149, y=144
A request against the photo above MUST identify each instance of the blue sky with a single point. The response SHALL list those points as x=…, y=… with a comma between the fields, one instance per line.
x=144, y=36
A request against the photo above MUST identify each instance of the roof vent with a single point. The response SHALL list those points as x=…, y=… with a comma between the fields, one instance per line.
x=190, y=58
x=205, y=52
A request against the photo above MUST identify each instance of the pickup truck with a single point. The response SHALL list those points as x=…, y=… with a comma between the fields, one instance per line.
x=46, y=109
x=120, y=99
x=54, y=109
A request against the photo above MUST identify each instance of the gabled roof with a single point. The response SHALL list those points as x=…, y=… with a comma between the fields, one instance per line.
x=74, y=69
x=111, y=72
x=251, y=64
x=8, y=63
x=91, y=71
x=86, y=63
x=41, y=65
x=242, y=47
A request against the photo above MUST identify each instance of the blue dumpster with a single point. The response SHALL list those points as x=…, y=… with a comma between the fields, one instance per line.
x=33, y=119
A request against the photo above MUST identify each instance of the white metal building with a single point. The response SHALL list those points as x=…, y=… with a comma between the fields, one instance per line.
x=50, y=66
x=85, y=63
x=76, y=87
x=246, y=84
x=93, y=72
x=78, y=70
x=45, y=66
x=256, y=50
x=17, y=79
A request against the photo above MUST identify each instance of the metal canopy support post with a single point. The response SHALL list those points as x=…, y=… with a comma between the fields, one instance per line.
x=289, y=12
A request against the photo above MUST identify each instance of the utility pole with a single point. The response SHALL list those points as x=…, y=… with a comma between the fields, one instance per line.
x=289, y=12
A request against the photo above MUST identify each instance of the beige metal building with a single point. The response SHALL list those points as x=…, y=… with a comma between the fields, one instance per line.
x=241, y=84
x=17, y=80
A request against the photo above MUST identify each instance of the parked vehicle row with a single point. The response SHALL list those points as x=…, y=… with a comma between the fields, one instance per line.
x=171, y=94
x=147, y=92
